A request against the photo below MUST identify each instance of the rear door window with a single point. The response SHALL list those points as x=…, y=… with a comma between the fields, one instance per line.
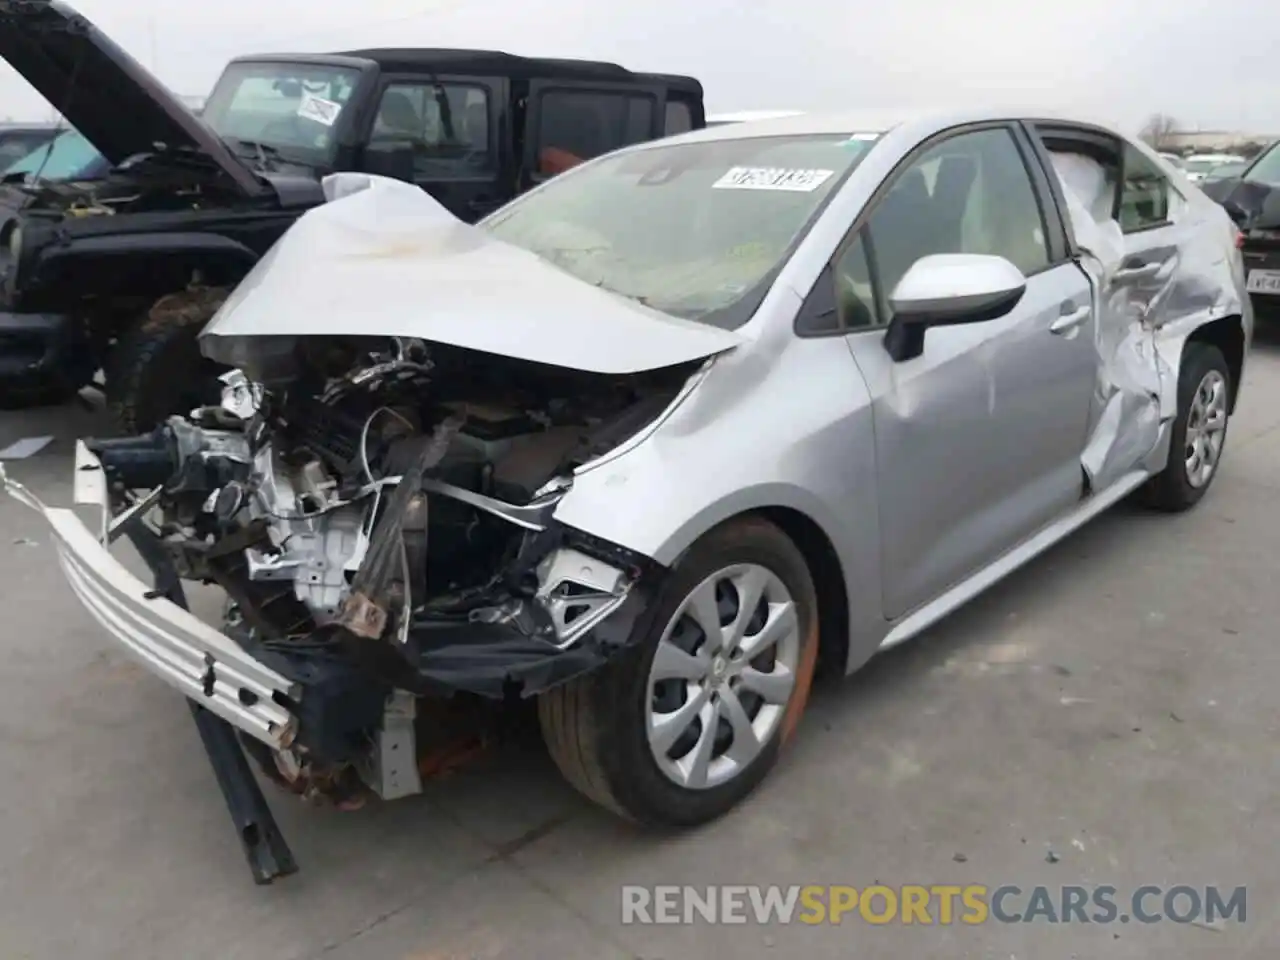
x=678, y=119
x=578, y=124
x=1144, y=194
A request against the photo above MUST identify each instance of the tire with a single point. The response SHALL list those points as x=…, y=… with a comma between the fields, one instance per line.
x=1179, y=486
x=156, y=369
x=597, y=727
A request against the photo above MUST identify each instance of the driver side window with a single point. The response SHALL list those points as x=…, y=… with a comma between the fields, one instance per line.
x=970, y=193
x=446, y=124
x=967, y=194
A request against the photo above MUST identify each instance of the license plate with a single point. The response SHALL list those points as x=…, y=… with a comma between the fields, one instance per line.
x=1264, y=281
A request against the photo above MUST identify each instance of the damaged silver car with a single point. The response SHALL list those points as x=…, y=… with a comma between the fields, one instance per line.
x=656, y=441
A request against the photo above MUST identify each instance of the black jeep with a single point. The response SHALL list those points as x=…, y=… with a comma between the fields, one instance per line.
x=119, y=274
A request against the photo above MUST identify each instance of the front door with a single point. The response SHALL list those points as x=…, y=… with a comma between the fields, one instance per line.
x=451, y=125
x=978, y=440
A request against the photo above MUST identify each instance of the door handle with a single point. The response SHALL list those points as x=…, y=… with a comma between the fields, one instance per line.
x=1071, y=318
x=1143, y=272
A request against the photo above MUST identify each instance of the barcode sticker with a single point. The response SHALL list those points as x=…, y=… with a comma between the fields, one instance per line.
x=772, y=178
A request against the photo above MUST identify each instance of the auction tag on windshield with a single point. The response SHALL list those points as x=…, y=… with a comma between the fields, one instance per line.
x=319, y=109
x=772, y=178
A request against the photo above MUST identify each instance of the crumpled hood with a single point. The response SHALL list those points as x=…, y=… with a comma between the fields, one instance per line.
x=382, y=258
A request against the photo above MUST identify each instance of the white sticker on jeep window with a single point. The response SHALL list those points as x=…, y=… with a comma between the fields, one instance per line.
x=319, y=109
x=773, y=178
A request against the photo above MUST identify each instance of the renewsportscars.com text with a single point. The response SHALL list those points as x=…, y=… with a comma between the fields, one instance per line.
x=932, y=904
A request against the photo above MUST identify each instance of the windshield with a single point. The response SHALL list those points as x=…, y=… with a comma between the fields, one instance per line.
x=1203, y=164
x=66, y=157
x=1266, y=169
x=1224, y=171
x=289, y=108
x=690, y=229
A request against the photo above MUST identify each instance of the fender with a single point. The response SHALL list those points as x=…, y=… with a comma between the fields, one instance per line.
x=139, y=264
x=147, y=244
x=714, y=458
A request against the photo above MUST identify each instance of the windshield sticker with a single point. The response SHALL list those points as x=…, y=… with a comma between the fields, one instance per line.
x=865, y=137
x=772, y=178
x=319, y=109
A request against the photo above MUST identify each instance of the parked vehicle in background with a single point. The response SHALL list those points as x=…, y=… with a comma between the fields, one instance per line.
x=1198, y=165
x=121, y=272
x=1252, y=198
x=893, y=357
x=747, y=116
x=19, y=139
x=68, y=156
x=1226, y=171
x=1173, y=159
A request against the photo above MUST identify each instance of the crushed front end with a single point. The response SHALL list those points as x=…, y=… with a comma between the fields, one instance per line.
x=380, y=517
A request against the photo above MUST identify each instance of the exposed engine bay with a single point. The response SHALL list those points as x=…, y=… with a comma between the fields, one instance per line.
x=154, y=183
x=379, y=514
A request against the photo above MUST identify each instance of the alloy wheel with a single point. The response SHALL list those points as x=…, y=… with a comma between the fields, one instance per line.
x=722, y=676
x=1206, y=429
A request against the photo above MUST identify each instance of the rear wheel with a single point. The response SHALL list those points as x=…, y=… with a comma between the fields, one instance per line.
x=680, y=730
x=156, y=369
x=1199, y=433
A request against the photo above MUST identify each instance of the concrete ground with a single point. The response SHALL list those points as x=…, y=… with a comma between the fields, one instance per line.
x=1111, y=708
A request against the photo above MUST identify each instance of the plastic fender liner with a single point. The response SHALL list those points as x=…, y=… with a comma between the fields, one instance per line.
x=499, y=660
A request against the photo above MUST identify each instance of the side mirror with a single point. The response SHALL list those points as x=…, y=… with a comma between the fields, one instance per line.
x=946, y=289
x=391, y=159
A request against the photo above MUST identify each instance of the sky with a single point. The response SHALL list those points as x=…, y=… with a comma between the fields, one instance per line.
x=1207, y=63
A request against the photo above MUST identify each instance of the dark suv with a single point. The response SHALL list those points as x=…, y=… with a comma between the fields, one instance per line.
x=120, y=273
x=1252, y=198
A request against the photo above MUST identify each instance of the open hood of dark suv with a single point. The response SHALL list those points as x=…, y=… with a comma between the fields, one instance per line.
x=103, y=92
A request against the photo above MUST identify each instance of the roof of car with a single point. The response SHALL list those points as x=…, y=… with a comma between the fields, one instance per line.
x=880, y=121
x=497, y=63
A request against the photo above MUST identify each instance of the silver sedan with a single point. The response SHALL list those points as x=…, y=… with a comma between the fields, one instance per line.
x=837, y=375
x=961, y=337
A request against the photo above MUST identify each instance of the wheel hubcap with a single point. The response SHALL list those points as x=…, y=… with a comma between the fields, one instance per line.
x=1206, y=428
x=722, y=676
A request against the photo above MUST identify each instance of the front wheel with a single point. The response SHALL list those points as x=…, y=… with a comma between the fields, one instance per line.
x=156, y=369
x=1199, y=432
x=680, y=730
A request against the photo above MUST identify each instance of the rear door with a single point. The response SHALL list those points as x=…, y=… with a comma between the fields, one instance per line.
x=1154, y=220
x=452, y=125
x=569, y=122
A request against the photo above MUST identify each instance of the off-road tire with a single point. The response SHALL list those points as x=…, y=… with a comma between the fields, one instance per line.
x=595, y=727
x=156, y=369
x=1170, y=490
